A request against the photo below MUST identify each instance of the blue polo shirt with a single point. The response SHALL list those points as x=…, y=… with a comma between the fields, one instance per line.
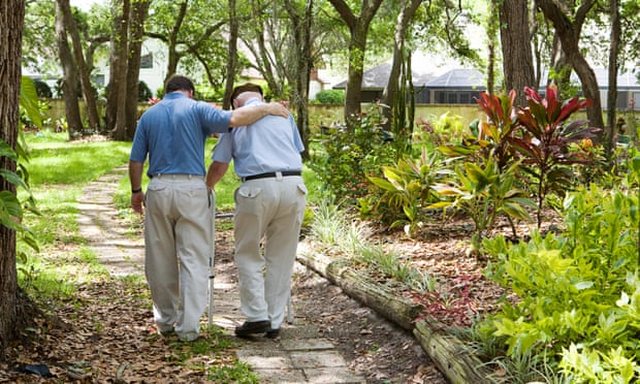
x=270, y=144
x=173, y=134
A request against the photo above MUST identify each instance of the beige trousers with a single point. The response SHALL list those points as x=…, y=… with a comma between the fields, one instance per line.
x=179, y=236
x=273, y=208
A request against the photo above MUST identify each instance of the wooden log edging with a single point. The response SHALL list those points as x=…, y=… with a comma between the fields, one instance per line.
x=455, y=361
x=450, y=355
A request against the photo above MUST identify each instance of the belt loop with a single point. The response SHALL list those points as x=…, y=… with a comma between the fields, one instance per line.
x=278, y=175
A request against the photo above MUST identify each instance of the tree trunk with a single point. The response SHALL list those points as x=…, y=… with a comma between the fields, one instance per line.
x=492, y=38
x=516, y=48
x=11, y=25
x=302, y=22
x=137, y=17
x=403, y=22
x=117, y=94
x=88, y=92
x=174, y=56
x=232, y=62
x=568, y=34
x=358, y=28
x=69, y=78
x=612, y=93
x=357, y=47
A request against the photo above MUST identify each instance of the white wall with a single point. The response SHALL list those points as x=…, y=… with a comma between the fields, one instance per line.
x=154, y=76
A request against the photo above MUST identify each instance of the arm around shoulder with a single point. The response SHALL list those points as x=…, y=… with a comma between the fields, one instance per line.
x=249, y=114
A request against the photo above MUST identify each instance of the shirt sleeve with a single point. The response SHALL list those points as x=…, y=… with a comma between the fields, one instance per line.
x=297, y=140
x=140, y=146
x=213, y=120
x=223, y=152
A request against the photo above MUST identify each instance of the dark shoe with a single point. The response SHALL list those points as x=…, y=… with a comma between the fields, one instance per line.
x=252, y=327
x=272, y=333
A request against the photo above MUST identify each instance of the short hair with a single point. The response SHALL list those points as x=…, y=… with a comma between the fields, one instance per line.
x=246, y=87
x=179, y=83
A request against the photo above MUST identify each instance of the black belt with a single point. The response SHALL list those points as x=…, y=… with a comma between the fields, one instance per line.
x=271, y=174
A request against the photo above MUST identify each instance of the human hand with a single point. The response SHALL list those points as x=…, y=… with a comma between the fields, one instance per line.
x=277, y=109
x=136, y=202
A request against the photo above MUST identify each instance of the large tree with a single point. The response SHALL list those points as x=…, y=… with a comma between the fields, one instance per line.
x=268, y=39
x=232, y=63
x=568, y=32
x=517, y=59
x=358, y=25
x=11, y=25
x=70, y=77
x=403, y=24
x=126, y=45
x=301, y=16
x=117, y=88
x=83, y=69
x=612, y=92
x=137, y=16
x=189, y=29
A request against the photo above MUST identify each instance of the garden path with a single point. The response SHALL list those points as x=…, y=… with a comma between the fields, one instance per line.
x=332, y=339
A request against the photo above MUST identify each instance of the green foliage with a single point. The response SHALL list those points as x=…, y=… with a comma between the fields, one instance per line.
x=239, y=373
x=538, y=137
x=330, y=96
x=331, y=228
x=483, y=193
x=439, y=130
x=347, y=156
x=578, y=288
x=12, y=208
x=406, y=190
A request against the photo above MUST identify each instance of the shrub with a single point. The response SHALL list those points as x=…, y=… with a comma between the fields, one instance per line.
x=42, y=89
x=406, y=190
x=330, y=96
x=144, y=93
x=577, y=293
x=347, y=156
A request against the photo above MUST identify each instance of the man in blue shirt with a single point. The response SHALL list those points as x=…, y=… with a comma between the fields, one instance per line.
x=178, y=222
x=270, y=203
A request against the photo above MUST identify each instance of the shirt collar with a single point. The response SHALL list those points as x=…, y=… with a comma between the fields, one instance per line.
x=174, y=95
x=253, y=101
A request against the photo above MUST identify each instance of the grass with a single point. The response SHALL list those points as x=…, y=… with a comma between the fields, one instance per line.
x=219, y=369
x=59, y=171
x=331, y=228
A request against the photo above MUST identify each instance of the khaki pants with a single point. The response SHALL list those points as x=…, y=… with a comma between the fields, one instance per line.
x=178, y=244
x=273, y=208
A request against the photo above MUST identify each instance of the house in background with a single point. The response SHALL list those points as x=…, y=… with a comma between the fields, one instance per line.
x=153, y=66
x=375, y=80
x=628, y=89
x=464, y=85
x=457, y=86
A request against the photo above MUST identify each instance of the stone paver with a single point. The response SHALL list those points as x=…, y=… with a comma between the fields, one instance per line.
x=299, y=355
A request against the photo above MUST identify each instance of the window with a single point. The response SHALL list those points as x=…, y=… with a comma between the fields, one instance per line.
x=146, y=61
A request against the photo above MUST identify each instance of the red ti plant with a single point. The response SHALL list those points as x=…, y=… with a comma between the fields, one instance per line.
x=494, y=134
x=544, y=143
x=491, y=141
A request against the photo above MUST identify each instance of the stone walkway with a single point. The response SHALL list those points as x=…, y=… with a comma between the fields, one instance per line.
x=299, y=355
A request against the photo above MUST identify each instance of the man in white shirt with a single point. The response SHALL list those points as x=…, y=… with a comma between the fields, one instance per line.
x=270, y=203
